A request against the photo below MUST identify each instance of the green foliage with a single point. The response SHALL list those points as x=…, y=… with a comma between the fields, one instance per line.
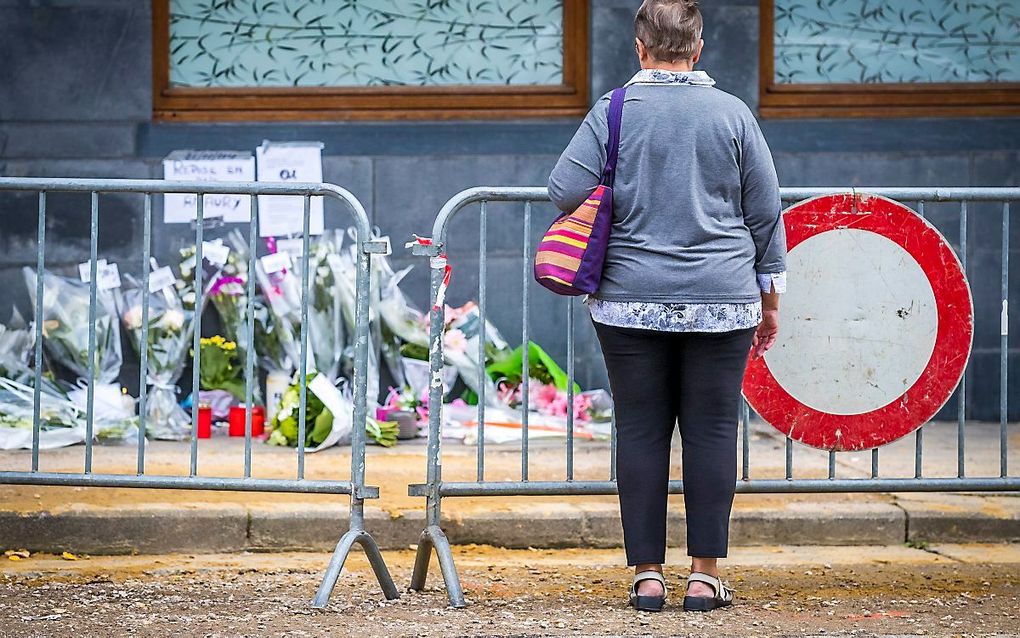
x=541, y=367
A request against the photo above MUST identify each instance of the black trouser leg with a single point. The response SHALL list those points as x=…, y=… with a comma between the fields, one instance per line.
x=713, y=365
x=657, y=379
x=641, y=367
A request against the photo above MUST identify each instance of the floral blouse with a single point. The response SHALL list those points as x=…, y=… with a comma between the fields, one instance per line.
x=683, y=317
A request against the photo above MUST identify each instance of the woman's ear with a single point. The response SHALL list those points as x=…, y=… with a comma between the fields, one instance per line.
x=697, y=52
x=642, y=51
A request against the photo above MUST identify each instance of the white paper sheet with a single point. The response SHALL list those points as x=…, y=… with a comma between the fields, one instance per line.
x=208, y=166
x=281, y=215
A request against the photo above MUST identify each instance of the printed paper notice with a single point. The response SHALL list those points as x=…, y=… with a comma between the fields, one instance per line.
x=282, y=215
x=207, y=166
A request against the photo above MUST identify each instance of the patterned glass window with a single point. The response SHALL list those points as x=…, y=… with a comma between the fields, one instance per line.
x=907, y=41
x=359, y=43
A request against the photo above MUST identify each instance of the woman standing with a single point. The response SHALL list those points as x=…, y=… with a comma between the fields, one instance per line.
x=691, y=283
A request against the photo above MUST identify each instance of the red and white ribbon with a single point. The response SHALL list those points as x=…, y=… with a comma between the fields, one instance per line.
x=438, y=261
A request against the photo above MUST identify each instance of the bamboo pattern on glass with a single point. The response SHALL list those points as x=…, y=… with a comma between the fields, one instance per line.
x=340, y=43
x=869, y=41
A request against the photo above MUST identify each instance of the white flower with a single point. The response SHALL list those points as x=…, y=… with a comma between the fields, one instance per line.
x=454, y=340
x=133, y=317
x=171, y=321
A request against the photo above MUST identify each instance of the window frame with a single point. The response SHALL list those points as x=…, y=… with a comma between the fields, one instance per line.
x=226, y=104
x=837, y=100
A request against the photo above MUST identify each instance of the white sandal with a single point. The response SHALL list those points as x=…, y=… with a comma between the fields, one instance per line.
x=647, y=603
x=723, y=594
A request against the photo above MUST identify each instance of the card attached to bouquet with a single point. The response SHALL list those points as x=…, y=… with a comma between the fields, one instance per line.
x=161, y=278
x=215, y=252
x=275, y=262
x=107, y=274
x=207, y=166
x=282, y=215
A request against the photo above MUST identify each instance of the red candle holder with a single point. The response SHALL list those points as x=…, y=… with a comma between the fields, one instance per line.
x=237, y=417
x=204, y=421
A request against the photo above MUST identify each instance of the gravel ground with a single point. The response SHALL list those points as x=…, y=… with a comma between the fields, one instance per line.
x=945, y=591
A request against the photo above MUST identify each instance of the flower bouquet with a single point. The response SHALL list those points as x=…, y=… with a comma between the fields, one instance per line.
x=547, y=386
x=16, y=341
x=460, y=348
x=406, y=409
x=65, y=323
x=328, y=417
x=61, y=420
x=170, y=332
x=220, y=376
x=344, y=268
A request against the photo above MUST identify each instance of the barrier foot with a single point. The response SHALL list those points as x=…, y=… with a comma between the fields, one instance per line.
x=336, y=565
x=433, y=537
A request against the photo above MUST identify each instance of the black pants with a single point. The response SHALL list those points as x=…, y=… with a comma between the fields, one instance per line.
x=658, y=380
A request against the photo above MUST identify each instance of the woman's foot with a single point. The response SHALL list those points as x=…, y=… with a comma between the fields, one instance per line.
x=648, y=591
x=649, y=586
x=698, y=588
x=721, y=595
x=705, y=591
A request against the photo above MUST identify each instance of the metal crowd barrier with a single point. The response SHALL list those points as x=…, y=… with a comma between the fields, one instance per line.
x=355, y=486
x=434, y=489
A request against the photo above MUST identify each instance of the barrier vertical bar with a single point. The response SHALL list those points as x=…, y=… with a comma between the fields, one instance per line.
x=525, y=341
x=90, y=401
x=961, y=408
x=482, y=291
x=570, y=389
x=249, y=352
x=143, y=349
x=196, y=338
x=361, y=344
x=874, y=462
x=303, y=365
x=789, y=458
x=832, y=464
x=919, y=433
x=745, y=441
x=40, y=265
x=1004, y=347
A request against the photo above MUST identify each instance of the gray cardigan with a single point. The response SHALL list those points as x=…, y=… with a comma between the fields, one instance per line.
x=696, y=198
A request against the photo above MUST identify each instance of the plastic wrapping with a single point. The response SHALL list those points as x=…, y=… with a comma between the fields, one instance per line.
x=65, y=324
x=170, y=337
x=61, y=420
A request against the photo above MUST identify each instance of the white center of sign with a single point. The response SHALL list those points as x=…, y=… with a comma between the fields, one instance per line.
x=858, y=325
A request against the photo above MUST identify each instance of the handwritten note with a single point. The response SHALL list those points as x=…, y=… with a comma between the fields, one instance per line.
x=207, y=166
x=281, y=215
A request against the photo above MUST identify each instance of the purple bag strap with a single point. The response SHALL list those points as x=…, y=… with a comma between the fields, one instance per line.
x=613, y=144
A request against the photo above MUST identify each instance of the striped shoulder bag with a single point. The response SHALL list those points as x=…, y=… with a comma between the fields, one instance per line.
x=572, y=252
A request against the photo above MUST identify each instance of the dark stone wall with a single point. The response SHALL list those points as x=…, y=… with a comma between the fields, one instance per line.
x=75, y=100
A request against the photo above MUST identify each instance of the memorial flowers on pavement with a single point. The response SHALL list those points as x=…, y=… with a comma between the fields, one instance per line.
x=328, y=417
x=170, y=329
x=65, y=328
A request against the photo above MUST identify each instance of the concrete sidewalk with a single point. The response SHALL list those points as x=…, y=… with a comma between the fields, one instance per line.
x=122, y=521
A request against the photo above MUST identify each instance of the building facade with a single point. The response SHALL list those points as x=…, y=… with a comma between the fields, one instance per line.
x=90, y=88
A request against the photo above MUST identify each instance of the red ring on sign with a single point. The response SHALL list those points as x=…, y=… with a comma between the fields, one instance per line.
x=953, y=338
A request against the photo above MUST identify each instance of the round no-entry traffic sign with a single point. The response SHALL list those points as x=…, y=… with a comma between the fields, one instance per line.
x=875, y=330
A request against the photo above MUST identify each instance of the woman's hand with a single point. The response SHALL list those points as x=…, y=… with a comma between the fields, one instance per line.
x=765, y=334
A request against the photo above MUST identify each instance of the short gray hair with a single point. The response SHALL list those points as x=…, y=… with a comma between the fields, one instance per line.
x=669, y=29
